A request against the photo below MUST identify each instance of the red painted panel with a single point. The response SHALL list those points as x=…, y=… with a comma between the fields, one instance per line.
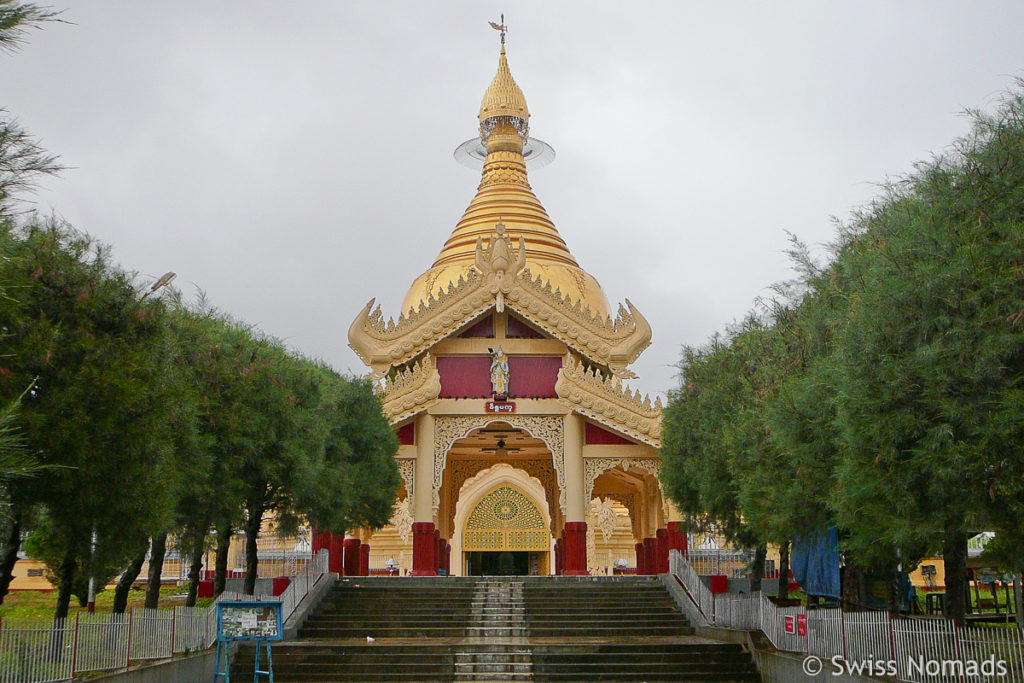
x=533, y=376
x=483, y=328
x=594, y=435
x=407, y=434
x=470, y=376
x=465, y=376
x=517, y=329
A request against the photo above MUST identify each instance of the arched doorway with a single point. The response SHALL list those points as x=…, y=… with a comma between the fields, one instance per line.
x=502, y=525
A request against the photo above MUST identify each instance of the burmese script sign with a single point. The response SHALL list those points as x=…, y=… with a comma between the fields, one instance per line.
x=249, y=621
x=500, y=407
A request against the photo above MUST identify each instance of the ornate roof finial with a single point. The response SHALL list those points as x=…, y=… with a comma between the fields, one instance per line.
x=500, y=27
x=503, y=102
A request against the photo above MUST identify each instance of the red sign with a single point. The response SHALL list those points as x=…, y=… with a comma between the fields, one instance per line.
x=801, y=624
x=500, y=407
x=790, y=625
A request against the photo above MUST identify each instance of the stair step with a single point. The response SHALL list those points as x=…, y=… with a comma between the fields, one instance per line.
x=465, y=629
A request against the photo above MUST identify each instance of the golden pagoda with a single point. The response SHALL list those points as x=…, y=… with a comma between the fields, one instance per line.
x=503, y=378
x=504, y=195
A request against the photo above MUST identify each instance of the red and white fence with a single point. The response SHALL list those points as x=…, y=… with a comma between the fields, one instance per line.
x=45, y=650
x=922, y=650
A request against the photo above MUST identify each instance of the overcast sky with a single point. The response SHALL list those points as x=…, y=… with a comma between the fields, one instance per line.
x=294, y=159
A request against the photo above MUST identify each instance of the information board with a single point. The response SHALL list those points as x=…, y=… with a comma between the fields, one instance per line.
x=249, y=621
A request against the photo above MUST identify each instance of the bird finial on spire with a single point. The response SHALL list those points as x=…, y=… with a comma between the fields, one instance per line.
x=500, y=27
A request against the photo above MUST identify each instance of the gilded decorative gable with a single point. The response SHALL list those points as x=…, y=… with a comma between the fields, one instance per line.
x=614, y=343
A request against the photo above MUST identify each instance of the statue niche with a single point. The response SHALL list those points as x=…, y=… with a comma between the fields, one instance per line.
x=499, y=374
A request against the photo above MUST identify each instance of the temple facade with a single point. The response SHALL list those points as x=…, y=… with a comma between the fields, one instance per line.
x=522, y=451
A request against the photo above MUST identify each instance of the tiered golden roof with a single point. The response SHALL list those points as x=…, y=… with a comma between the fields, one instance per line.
x=504, y=195
x=505, y=252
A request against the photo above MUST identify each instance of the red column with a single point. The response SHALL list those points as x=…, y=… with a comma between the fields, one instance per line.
x=352, y=556
x=641, y=561
x=448, y=558
x=677, y=537
x=662, y=549
x=423, y=549
x=321, y=540
x=650, y=566
x=437, y=550
x=325, y=540
x=439, y=561
x=337, y=561
x=364, y=559
x=575, y=538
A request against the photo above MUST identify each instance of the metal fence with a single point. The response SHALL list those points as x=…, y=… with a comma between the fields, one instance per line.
x=921, y=650
x=722, y=562
x=44, y=650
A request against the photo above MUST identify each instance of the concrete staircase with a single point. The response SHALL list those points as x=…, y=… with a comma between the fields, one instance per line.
x=541, y=629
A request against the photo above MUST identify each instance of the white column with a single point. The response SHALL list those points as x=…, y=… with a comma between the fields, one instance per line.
x=422, y=500
x=575, y=506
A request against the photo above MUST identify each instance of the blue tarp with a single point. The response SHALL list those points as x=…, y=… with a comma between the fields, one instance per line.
x=814, y=561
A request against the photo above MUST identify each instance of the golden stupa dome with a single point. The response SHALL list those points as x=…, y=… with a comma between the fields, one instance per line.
x=503, y=98
x=504, y=195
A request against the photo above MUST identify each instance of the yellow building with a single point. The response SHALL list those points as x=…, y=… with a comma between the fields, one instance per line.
x=522, y=450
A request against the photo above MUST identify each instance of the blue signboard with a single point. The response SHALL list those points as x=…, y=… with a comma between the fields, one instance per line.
x=254, y=620
x=249, y=621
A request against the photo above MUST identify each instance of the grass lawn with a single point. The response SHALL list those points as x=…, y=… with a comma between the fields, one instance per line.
x=22, y=604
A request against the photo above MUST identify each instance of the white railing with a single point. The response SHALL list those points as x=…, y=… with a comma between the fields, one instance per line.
x=922, y=650
x=45, y=650
x=825, y=637
x=699, y=593
x=737, y=610
x=303, y=582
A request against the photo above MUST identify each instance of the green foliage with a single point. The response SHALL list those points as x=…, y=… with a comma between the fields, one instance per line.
x=102, y=402
x=148, y=417
x=883, y=393
x=17, y=17
x=932, y=352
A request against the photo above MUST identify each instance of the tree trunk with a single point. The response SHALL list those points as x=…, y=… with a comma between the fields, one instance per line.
x=67, y=578
x=852, y=578
x=194, y=568
x=124, y=584
x=253, y=522
x=784, y=571
x=892, y=583
x=757, y=568
x=156, y=570
x=1018, y=599
x=954, y=557
x=10, y=555
x=220, y=565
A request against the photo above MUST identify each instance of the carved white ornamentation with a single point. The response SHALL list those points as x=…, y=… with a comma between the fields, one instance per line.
x=595, y=467
x=407, y=470
x=603, y=517
x=401, y=520
x=449, y=429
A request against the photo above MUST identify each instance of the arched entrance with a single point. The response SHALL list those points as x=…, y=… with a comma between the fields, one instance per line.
x=502, y=525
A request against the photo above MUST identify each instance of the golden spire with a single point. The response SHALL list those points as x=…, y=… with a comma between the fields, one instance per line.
x=503, y=98
x=505, y=194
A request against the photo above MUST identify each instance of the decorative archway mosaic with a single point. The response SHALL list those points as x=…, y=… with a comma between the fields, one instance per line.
x=459, y=471
x=505, y=519
x=449, y=429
